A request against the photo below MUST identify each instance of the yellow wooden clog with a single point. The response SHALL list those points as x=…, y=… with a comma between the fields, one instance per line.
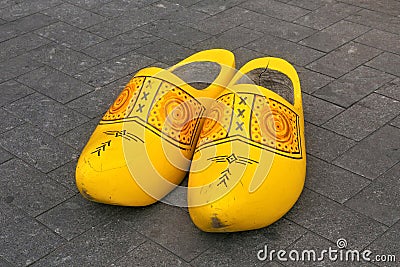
x=142, y=147
x=249, y=165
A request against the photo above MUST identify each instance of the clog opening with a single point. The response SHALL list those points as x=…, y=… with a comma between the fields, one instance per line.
x=273, y=80
x=199, y=74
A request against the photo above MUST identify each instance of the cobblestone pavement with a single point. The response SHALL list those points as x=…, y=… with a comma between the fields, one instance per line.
x=62, y=63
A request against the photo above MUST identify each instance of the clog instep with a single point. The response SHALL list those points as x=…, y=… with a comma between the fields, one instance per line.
x=249, y=165
x=142, y=147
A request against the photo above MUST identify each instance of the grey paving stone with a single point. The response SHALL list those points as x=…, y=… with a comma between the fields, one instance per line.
x=325, y=144
x=273, y=264
x=160, y=65
x=32, y=22
x=6, y=3
x=78, y=137
x=175, y=32
x=224, y=21
x=380, y=200
x=275, y=9
x=331, y=181
x=334, y=36
x=376, y=20
x=311, y=81
x=19, y=65
x=29, y=189
x=244, y=55
x=65, y=175
x=37, y=148
x=8, y=121
x=165, y=51
x=76, y=215
x=127, y=22
x=114, y=69
x=21, y=44
x=5, y=263
x=88, y=4
x=396, y=122
x=117, y=7
x=97, y=102
x=213, y=7
x=46, y=114
x=144, y=255
x=119, y=45
x=386, y=62
x=5, y=75
x=365, y=117
x=387, y=244
x=46, y=80
x=4, y=156
x=99, y=246
x=374, y=155
x=185, y=16
x=63, y=59
x=231, y=39
x=353, y=86
x=74, y=15
x=162, y=9
x=327, y=15
x=344, y=59
x=26, y=8
x=318, y=111
x=23, y=240
x=382, y=40
x=277, y=47
x=391, y=7
x=331, y=220
x=185, y=3
x=164, y=219
x=13, y=90
x=240, y=249
x=309, y=4
x=8, y=31
x=69, y=36
x=277, y=27
x=285, y=1
x=391, y=89
x=108, y=28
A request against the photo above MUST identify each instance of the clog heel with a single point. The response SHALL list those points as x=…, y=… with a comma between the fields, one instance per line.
x=142, y=147
x=249, y=165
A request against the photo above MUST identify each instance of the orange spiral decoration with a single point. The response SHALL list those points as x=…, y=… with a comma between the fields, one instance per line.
x=211, y=123
x=274, y=125
x=175, y=114
x=124, y=102
x=218, y=118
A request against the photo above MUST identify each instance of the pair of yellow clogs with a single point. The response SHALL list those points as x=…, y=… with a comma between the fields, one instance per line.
x=242, y=144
